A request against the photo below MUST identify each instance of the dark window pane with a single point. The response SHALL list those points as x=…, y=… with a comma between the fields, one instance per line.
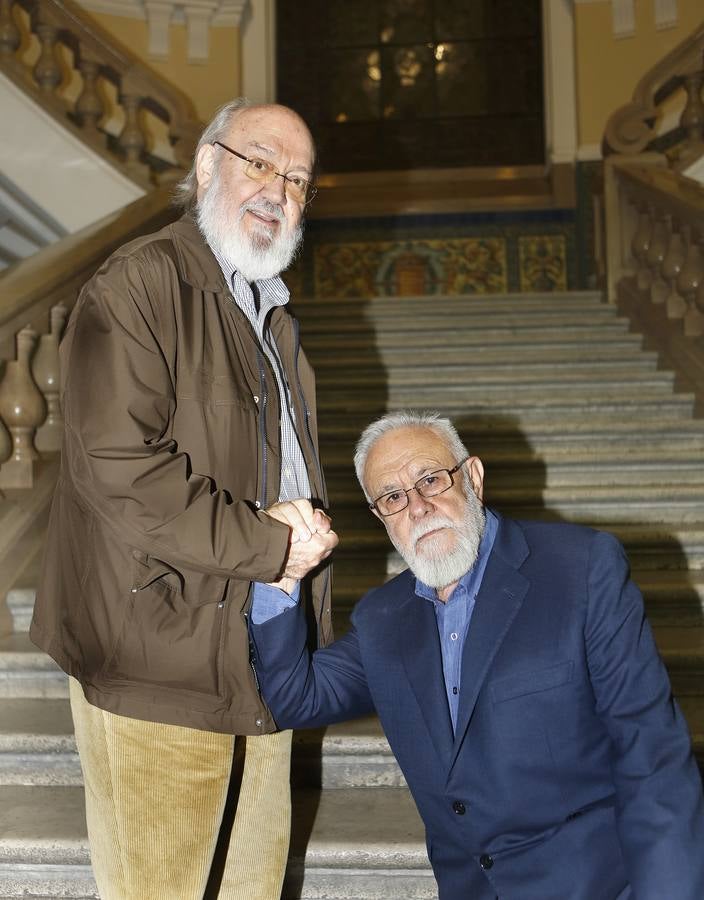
x=406, y=21
x=351, y=85
x=407, y=81
x=348, y=24
x=462, y=79
x=394, y=84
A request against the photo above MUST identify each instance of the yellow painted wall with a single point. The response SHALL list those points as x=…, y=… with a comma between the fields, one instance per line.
x=609, y=68
x=210, y=84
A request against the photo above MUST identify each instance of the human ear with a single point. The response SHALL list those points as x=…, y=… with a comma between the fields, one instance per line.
x=475, y=469
x=205, y=165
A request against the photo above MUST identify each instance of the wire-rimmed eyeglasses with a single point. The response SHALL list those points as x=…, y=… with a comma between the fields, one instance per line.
x=430, y=485
x=261, y=170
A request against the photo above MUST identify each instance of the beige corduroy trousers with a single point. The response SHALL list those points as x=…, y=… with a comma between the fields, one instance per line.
x=156, y=800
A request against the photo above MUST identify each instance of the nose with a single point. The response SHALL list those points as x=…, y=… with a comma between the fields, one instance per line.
x=275, y=191
x=418, y=506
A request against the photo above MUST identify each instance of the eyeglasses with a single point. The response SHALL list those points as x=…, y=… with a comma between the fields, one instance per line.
x=261, y=170
x=429, y=485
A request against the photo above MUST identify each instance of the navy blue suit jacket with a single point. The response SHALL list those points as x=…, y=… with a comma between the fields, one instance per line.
x=570, y=775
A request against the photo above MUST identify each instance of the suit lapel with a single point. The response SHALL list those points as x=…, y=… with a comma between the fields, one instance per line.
x=499, y=599
x=422, y=658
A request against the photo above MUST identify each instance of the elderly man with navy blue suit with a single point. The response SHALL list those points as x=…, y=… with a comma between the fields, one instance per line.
x=517, y=682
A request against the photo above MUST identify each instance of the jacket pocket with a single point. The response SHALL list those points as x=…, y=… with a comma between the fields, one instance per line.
x=165, y=641
x=524, y=683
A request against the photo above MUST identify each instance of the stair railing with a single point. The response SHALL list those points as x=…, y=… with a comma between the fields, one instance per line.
x=76, y=72
x=36, y=296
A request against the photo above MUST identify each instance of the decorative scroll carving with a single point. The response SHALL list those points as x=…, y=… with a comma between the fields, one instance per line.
x=631, y=129
x=105, y=70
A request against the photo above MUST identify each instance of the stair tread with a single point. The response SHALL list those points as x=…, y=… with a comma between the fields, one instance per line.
x=373, y=827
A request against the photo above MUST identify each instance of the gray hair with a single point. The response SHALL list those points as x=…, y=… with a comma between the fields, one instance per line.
x=406, y=419
x=186, y=190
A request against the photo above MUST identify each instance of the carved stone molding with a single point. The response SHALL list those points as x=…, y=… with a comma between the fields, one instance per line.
x=199, y=15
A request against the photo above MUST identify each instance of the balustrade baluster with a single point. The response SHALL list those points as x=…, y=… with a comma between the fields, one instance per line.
x=131, y=139
x=692, y=118
x=22, y=408
x=640, y=245
x=9, y=32
x=671, y=268
x=89, y=106
x=655, y=258
x=688, y=282
x=45, y=369
x=47, y=71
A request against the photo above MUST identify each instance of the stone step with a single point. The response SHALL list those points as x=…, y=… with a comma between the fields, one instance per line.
x=588, y=377
x=363, y=845
x=513, y=451
x=497, y=340
x=521, y=406
x=37, y=747
x=25, y=671
x=377, y=325
x=649, y=546
x=578, y=355
x=498, y=429
x=538, y=475
x=559, y=301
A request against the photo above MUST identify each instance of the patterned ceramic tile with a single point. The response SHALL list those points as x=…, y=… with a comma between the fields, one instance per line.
x=542, y=262
x=474, y=265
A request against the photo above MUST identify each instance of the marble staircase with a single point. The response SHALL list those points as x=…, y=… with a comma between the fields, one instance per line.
x=573, y=420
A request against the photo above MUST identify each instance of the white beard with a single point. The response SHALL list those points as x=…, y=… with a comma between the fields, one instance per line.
x=255, y=255
x=436, y=566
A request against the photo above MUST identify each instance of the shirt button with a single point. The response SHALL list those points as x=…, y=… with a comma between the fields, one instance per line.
x=486, y=861
x=453, y=636
x=258, y=723
x=458, y=807
x=256, y=399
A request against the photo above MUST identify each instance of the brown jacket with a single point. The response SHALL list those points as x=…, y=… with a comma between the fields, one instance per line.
x=171, y=449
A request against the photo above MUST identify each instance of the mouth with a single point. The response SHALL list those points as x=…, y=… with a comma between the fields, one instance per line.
x=268, y=221
x=429, y=534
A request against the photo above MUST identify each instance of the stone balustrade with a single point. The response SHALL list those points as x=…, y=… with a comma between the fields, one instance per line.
x=36, y=296
x=109, y=98
x=655, y=237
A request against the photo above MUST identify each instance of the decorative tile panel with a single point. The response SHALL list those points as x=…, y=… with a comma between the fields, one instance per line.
x=542, y=263
x=411, y=268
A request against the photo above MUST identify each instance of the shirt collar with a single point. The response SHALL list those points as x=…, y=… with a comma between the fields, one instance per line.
x=471, y=580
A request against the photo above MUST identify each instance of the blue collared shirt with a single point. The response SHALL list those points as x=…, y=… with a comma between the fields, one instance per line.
x=453, y=617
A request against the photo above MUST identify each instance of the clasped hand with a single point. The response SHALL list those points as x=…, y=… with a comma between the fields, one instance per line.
x=311, y=539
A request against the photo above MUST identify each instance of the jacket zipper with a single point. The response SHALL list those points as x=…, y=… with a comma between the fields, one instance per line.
x=264, y=396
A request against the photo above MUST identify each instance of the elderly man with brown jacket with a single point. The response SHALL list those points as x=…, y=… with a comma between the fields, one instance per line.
x=189, y=477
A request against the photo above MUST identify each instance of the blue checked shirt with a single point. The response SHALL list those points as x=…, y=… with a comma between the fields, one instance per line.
x=453, y=617
x=272, y=292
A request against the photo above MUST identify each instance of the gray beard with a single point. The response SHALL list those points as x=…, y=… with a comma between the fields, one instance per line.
x=256, y=255
x=437, y=567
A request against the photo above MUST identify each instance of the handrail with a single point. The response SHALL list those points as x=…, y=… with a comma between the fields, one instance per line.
x=631, y=128
x=147, y=103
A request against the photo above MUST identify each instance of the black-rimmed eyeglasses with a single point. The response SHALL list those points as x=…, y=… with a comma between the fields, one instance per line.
x=261, y=170
x=429, y=485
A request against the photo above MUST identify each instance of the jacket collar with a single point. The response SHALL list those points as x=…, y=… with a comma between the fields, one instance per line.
x=197, y=264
